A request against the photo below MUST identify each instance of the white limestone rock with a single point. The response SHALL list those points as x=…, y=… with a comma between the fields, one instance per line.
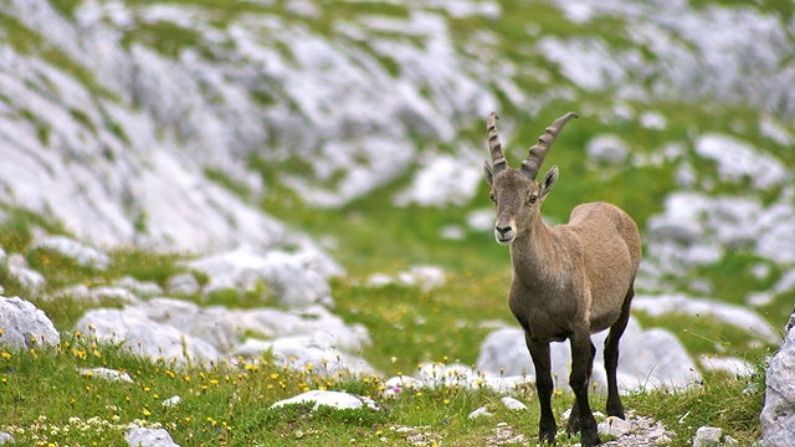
x=443, y=180
x=139, y=288
x=734, y=315
x=737, y=159
x=183, y=284
x=171, y=402
x=303, y=353
x=106, y=374
x=614, y=426
x=513, y=404
x=479, y=412
x=144, y=337
x=730, y=365
x=6, y=438
x=23, y=326
x=81, y=253
x=116, y=294
x=609, y=149
x=333, y=399
x=425, y=277
x=481, y=219
x=778, y=414
x=295, y=279
x=19, y=269
x=649, y=359
x=148, y=437
x=400, y=384
x=707, y=437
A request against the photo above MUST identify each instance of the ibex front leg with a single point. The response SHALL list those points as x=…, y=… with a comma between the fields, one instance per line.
x=539, y=351
x=581, y=355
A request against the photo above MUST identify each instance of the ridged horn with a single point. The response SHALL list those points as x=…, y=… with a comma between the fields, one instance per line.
x=498, y=161
x=538, y=152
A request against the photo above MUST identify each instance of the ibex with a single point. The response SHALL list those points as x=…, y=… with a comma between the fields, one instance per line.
x=568, y=280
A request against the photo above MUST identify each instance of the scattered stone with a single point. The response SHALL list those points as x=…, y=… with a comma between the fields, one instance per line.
x=728, y=441
x=114, y=294
x=442, y=180
x=513, y=404
x=303, y=353
x=425, y=277
x=609, y=149
x=80, y=253
x=653, y=120
x=295, y=279
x=479, y=413
x=183, y=284
x=141, y=336
x=399, y=384
x=19, y=269
x=737, y=159
x=23, y=326
x=140, y=288
x=172, y=401
x=148, y=437
x=730, y=365
x=481, y=220
x=78, y=292
x=107, y=374
x=614, y=426
x=504, y=434
x=417, y=436
x=707, y=437
x=726, y=313
x=6, y=438
x=333, y=399
x=452, y=233
x=641, y=431
x=778, y=415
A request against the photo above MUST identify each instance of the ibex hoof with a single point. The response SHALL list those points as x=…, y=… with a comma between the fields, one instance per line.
x=589, y=438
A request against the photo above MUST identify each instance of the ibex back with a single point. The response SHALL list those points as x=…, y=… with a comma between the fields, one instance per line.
x=569, y=280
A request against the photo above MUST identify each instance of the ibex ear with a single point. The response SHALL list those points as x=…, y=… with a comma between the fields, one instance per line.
x=489, y=174
x=549, y=180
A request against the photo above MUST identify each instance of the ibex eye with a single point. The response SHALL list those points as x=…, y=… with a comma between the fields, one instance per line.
x=532, y=198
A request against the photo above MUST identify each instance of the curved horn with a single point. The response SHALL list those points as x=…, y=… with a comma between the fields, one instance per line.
x=539, y=151
x=498, y=160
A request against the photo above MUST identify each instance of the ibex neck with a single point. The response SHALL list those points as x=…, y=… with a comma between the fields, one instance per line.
x=533, y=255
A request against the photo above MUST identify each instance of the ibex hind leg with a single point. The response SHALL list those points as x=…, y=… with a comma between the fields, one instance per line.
x=614, y=406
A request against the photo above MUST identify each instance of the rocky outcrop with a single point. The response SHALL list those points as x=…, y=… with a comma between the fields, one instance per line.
x=23, y=326
x=148, y=437
x=778, y=414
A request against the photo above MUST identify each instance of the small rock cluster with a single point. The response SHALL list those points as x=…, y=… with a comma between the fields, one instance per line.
x=635, y=431
x=713, y=437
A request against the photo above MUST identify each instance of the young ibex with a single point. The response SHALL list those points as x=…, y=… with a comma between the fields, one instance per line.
x=568, y=280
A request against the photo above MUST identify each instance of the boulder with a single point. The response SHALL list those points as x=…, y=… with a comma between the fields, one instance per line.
x=732, y=314
x=302, y=353
x=6, y=438
x=707, y=437
x=730, y=365
x=76, y=251
x=513, y=404
x=334, y=399
x=144, y=337
x=107, y=374
x=609, y=149
x=140, y=288
x=647, y=359
x=19, y=269
x=172, y=401
x=778, y=414
x=24, y=326
x=295, y=279
x=479, y=413
x=183, y=284
x=148, y=437
x=614, y=426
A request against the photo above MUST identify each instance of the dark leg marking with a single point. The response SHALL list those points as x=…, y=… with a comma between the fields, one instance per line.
x=539, y=351
x=614, y=406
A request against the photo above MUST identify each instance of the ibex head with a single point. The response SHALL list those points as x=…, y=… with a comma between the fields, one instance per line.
x=515, y=192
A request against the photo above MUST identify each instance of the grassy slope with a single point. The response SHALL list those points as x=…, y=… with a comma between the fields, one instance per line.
x=407, y=325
